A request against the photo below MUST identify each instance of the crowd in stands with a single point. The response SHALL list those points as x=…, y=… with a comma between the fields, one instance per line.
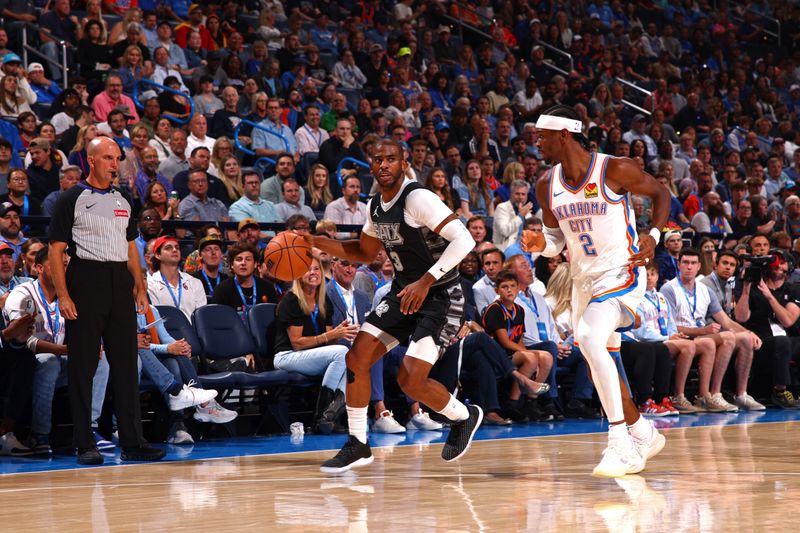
x=263, y=112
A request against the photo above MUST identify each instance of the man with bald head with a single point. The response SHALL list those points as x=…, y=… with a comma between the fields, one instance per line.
x=226, y=119
x=99, y=294
x=198, y=128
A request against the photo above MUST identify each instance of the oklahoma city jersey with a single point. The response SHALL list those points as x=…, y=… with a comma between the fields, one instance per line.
x=600, y=235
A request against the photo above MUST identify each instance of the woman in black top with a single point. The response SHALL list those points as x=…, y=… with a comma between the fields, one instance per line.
x=244, y=290
x=306, y=342
x=94, y=57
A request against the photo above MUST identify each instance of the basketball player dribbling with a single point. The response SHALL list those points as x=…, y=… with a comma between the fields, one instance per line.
x=425, y=241
x=586, y=206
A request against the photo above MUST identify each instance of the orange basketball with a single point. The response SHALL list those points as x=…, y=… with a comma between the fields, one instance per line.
x=288, y=256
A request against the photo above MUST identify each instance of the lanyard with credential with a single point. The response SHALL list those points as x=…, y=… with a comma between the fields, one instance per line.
x=693, y=303
x=662, y=324
x=177, y=301
x=53, y=327
x=351, y=309
x=241, y=295
x=211, y=286
x=533, y=306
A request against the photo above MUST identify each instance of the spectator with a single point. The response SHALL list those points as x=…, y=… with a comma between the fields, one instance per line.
x=18, y=195
x=281, y=139
x=244, y=289
x=292, y=203
x=341, y=144
x=272, y=187
x=307, y=342
x=712, y=217
x=5, y=164
x=111, y=98
x=168, y=285
x=484, y=289
x=176, y=162
x=61, y=25
x=198, y=206
x=348, y=210
x=250, y=205
x=225, y=120
x=510, y=215
x=198, y=127
x=175, y=56
x=43, y=173
x=46, y=90
x=476, y=199
x=210, y=272
x=149, y=226
x=194, y=24
x=205, y=101
x=162, y=69
x=310, y=136
x=148, y=174
x=200, y=159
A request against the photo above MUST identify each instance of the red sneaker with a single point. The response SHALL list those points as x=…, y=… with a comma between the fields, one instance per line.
x=667, y=404
x=651, y=408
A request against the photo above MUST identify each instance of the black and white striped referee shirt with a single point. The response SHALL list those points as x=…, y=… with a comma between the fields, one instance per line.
x=95, y=223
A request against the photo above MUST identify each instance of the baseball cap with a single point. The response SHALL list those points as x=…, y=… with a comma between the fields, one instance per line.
x=161, y=241
x=442, y=126
x=376, y=113
x=794, y=87
x=246, y=223
x=405, y=51
x=11, y=57
x=70, y=92
x=125, y=111
x=638, y=116
x=7, y=207
x=594, y=16
x=375, y=48
x=39, y=142
x=34, y=67
x=443, y=29
x=209, y=239
x=194, y=7
x=6, y=249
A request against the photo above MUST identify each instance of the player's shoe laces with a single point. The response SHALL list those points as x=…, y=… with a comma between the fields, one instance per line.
x=620, y=458
x=461, y=433
x=353, y=454
x=649, y=447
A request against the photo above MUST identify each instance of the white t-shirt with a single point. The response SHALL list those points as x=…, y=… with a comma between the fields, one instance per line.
x=43, y=328
x=690, y=308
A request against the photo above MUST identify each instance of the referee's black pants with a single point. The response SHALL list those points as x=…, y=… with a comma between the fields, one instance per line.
x=103, y=296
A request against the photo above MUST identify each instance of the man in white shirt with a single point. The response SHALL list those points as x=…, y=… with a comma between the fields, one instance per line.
x=347, y=209
x=310, y=136
x=50, y=349
x=168, y=285
x=528, y=101
x=509, y=216
x=291, y=204
x=691, y=303
x=198, y=127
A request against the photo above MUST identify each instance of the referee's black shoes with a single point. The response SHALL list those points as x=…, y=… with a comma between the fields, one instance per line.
x=89, y=456
x=461, y=433
x=142, y=453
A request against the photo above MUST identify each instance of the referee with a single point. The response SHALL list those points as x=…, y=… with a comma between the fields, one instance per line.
x=92, y=222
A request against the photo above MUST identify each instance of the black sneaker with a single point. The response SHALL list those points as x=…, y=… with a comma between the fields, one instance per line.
x=89, y=456
x=784, y=399
x=460, y=436
x=353, y=454
x=551, y=412
x=579, y=409
x=142, y=453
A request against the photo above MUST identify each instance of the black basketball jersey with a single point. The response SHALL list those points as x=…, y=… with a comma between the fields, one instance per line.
x=413, y=251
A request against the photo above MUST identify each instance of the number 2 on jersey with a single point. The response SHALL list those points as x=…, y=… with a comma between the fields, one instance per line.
x=587, y=244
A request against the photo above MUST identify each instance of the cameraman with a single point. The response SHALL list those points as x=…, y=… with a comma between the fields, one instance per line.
x=769, y=310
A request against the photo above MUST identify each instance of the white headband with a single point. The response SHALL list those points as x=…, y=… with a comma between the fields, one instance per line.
x=550, y=122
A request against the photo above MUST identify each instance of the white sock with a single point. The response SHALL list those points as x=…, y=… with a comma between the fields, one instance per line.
x=357, y=422
x=454, y=410
x=641, y=429
x=619, y=431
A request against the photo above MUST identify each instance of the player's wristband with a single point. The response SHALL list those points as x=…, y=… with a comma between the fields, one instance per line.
x=655, y=233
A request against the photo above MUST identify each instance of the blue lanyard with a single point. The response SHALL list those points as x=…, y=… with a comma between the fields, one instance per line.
x=530, y=304
x=180, y=290
x=351, y=309
x=314, y=314
x=509, y=316
x=25, y=206
x=379, y=281
x=317, y=138
x=686, y=295
x=241, y=294
x=655, y=302
x=211, y=286
x=53, y=327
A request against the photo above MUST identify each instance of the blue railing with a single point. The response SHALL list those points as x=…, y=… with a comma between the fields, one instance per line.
x=257, y=126
x=344, y=160
x=176, y=120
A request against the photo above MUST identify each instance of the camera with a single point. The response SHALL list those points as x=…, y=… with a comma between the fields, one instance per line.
x=759, y=264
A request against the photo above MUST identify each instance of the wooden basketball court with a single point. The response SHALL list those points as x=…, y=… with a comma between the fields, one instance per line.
x=728, y=476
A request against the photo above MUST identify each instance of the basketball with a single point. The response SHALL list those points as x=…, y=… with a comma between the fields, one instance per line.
x=288, y=256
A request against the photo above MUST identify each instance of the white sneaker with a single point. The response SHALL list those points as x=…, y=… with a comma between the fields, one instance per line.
x=649, y=447
x=719, y=399
x=179, y=435
x=190, y=396
x=620, y=458
x=9, y=445
x=422, y=422
x=214, y=413
x=387, y=424
x=748, y=403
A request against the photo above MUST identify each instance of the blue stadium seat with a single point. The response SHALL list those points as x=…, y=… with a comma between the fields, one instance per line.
x=179, y=327
x=261, y=321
